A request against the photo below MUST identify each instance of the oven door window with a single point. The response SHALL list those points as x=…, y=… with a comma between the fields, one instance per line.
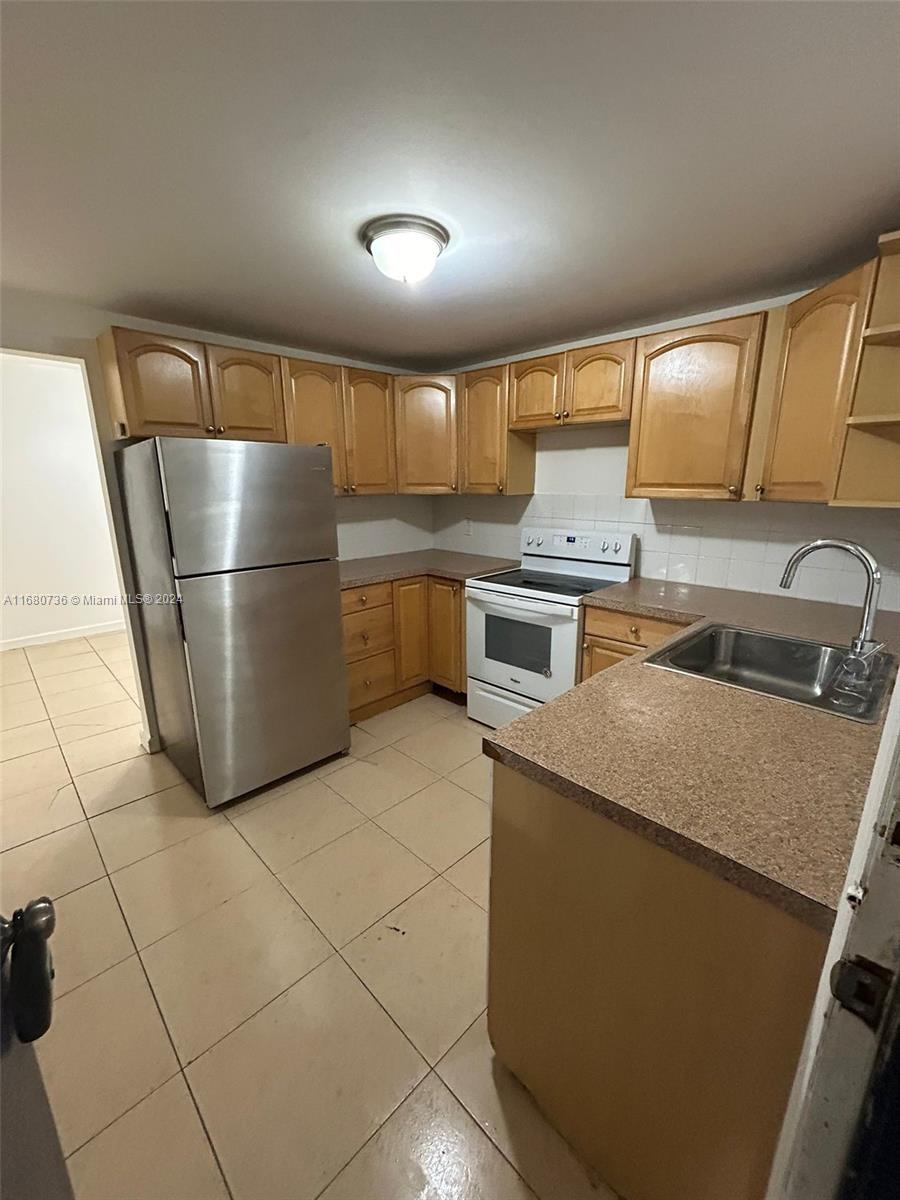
x=519, y=644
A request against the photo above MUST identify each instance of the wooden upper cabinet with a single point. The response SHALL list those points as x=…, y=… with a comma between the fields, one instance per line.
x=445, y=627
x=536, y=391
x=411, y=630
x=157, y=385
x=314, y=410
x=819, y=360
x=693, y=395
x=247, y=397
x=491, y=457
x=598, y=382
x=369, y=431
x=425, y=413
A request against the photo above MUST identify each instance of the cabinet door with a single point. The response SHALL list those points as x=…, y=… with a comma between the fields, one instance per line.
x=693, y=393
x=248, y=402
x=598, y=654
x=411, y=630
x=314, y=410
x=819, y=359
x=425, y=413
x=369, y=431
x=445, y=633
x=164, y=385
x=598, y=383
x=483, y=417
x=536, y=387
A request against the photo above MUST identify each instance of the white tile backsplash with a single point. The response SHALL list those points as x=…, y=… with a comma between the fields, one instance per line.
x=368, y=525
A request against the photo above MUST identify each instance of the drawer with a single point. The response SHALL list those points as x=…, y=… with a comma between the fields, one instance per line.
x=368, y=632
x=626, y=627
x=371, y=679
x=358, y=598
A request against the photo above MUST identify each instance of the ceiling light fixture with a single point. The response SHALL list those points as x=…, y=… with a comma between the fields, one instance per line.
x=404, y=247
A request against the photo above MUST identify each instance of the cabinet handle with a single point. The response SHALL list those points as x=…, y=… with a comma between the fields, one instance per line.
x=584, y=645
x=367, y=683
x=565, y=413
x=499, y=487
x=352, y=487
x=346, y=489
x=634, y=630
x=759, y=489
x=363, y=599
x=365, y=638
x=557, y=416
x=453, y=486
x=220, y=429
x=210, y=429
x=732, y=491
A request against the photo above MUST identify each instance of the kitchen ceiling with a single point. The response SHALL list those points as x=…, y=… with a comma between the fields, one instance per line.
x=597, y=165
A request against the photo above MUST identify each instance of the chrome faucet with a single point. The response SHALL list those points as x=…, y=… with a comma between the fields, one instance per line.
x=864, y=644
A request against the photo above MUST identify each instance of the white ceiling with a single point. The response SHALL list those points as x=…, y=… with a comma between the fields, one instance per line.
x=598, y=165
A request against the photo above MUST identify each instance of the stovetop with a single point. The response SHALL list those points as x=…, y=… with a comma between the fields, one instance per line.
x=554, y=584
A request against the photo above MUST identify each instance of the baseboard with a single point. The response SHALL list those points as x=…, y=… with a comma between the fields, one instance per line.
x=61, y=635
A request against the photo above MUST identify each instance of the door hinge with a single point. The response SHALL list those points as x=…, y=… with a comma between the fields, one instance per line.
x=861, y=987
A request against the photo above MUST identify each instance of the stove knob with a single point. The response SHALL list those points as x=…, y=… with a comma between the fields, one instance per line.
x=617, y=547
x=528, y=541
x=540, y=541
x=604, y=546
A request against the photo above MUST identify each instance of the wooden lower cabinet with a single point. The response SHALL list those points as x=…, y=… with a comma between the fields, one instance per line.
x=655, y=1011
x=411, y=630
x=401, y=637
x=446, y=632
x=597, y=654
x=611, y=636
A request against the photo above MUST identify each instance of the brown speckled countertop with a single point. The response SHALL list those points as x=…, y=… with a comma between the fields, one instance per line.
x=448, y=564
x=764, y=792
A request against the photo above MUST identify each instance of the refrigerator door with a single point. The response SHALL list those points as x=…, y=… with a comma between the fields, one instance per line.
x=267, y=673
x=234, y=505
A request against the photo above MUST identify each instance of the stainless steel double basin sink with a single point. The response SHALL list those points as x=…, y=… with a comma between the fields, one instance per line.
x=816, y=674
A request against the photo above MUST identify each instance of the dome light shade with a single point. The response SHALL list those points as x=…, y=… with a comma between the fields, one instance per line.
x=404, y=248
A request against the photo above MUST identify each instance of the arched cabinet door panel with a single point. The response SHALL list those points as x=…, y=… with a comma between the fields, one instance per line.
x=247, y=397
x=314, y=412
x=369, y=432
x=598, y=383
x=536, y=392
x=425, y=413
x=158, y=385
x=693, y=395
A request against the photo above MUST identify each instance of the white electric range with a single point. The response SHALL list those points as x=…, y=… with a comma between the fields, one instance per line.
x=524, y=626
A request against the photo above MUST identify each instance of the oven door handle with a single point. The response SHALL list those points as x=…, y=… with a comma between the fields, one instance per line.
x=502, y=608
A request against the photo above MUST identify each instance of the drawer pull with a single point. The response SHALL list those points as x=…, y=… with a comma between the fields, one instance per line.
x=367, y=683
x=365, y=637
x=635, y=630
x=363, y=599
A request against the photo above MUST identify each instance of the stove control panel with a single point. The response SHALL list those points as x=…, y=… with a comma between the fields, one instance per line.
x=579, y=545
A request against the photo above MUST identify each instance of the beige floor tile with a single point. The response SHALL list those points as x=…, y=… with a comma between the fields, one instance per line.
x=353, y=881
x=247, y=804
x=34, y=814
x=66, y=665
x=472, y=874
x=85, y=697
x=388, y=727
x=26, y=739
x=106, y=1049
x=466, y=722
x=90, y=936
x=153, y=823
x=219, y=969
x=14, y=667
x=437, y=705
x=324, y=1067
x=71, y=681
x=18, y=693
x=110, y=640
x=380, y=781
x=443, y=747
x=476, y=776
x=120, y=653
x=70, y=727
x=44, y=651
x=440, y=824
x=104, y=749
x=109, y=787
x=293, y=825
x=326, y=769
x=49, y=866
x=42, y=769
x=163, y=892
x=510, y=1118
x=426, y=961
x=15, y=713
x=156, y=1151
x=429, y=1148
x=362, y=743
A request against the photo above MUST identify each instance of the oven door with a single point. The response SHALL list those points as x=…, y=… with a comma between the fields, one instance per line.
x=526, y=646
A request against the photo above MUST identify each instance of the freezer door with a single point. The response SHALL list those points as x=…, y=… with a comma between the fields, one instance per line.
x=234, y=505
x=267, y=675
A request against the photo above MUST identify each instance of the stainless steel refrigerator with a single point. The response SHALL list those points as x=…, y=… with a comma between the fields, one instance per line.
x=246, y=664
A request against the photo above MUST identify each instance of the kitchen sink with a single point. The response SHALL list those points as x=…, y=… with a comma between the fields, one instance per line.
x=811, y=673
